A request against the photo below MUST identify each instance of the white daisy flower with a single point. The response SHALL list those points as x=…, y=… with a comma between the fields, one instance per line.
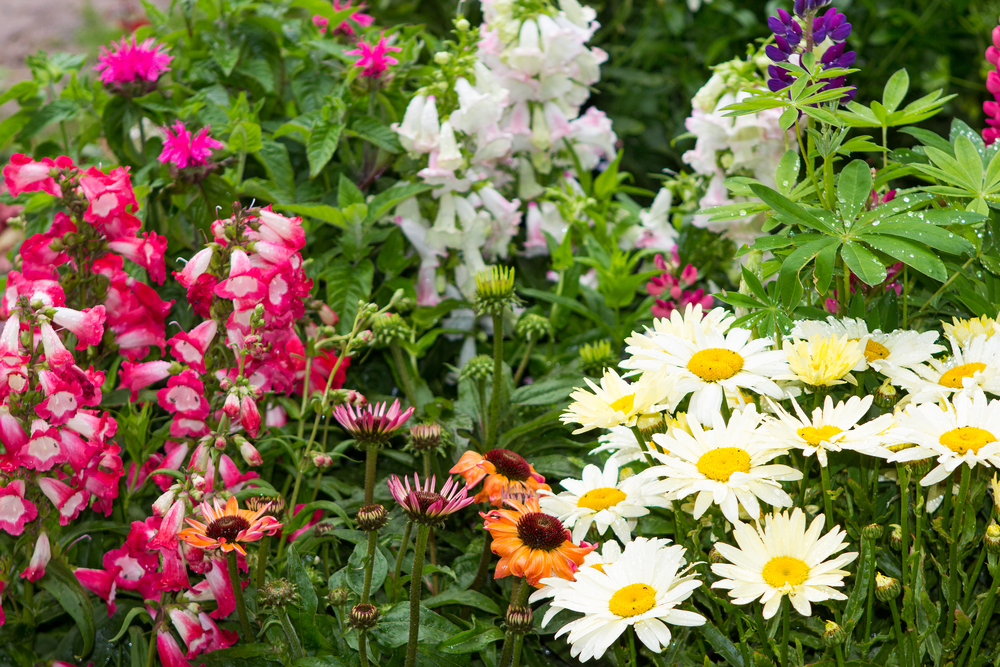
x=830, y=429
x=901, y=347
x=711, y=364
x=963, y=430
x=642, y=589
x=728, y=465
x=617, y=402
x=680, y=325
x=609, y=552
x=599, y=499
x=621, y=444
x=784, y=558
x=975, y=365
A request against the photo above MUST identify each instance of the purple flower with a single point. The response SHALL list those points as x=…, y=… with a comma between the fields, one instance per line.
x=788, y=44
x=423, y=504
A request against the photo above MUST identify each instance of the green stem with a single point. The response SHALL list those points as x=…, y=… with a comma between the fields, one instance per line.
x=491, y=428
x=645, y=447
x=483, y=415
x=404, y=374
x=824, y=474
x=839, y=655
x=785, y=626
x=982, y=622
x=956, y=533
x=427, y=465
x=868, y=552
x=484, y=563
x=511, y=653
x=974, y=578
x=263, y=552
x=898, y=630
x=363, y=647
x=241, y=605
x=845, y=298
x=521, y=367
x=293, y=639
x=631, y=646
x=369, y=565
x=399, y=560
x=903, y=474
x=416, y=580
x=758, y=622
x=828, y=182
x=371, y=459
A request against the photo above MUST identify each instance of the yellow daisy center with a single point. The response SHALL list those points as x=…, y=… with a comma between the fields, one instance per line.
x=953, y=378
x=784, y=571
x=599, y=567
x=875, y=351
x=601, y=499
x=632, y=600
x=814, y=435
x=715, y=364
x=720, y=464
x=966, y=438
x=624, y=404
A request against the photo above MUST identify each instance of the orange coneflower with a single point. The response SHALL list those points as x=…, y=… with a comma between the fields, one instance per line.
x=532, y=544
x=506, y=473
x=228, y=526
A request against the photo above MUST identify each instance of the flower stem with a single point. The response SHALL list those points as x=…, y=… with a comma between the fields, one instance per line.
x=839, y=655
x=785, y=625
x=404, y=375
x=399, y=560
x=523, y=366
x=824, y=473
x=371, y=459
x=631, y=646
x=369, y=565
x=982, y=621
x=416, y=581
x=262, y=553
x=644, y=446
x=898, y=630
x=491, y=427
x=484, y=564
x=511, y=653
x=363, y=647
x=293, y=639
x=868, y=553
x=427, y=464
x=956, y=533
x=241, y=605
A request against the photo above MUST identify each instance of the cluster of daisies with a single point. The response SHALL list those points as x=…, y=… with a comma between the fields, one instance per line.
x=706, y=414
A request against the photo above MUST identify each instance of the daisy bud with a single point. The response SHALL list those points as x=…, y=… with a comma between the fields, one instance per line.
x=477, y=368
x=338, y=596
x=495, y=291
x=651, y=423
x=372, y=518
x=886, y=395
x=992, y=538
x=872, y=531
x=519, y=619
x=715, y=557
x=277, y=593
x=595, y=357
x=363, y=616
x=833, y=634
x=896, y=537
x=425, y=437
x=886, y=588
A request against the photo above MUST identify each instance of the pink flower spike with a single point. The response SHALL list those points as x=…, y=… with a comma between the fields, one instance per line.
x=39, y=559
x=374, y=60
x=215, y=637
x=423, y=504
x=15, y=511
x=67, y=500
x=87, y=324
x=148, y=252
x=195, y=267
x=183, y=150
x=129, y=62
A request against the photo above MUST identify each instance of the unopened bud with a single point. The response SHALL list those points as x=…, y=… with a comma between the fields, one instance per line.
x=232, y=405
x=479, y=367
x=886, y=395
x=992, y=538
x=886, y=588
x=650, y=423
x=275, y=506
x=425, y=437
x=519, y=619
x=338, y=596
x=277, y=593
x=896, y=537
x=833, y=634
x=462, y=24
x=322, y=461
x=248, y=451
x=328, y=316
x=442, y=57
x=363, y=616
x=714, y=556
x=595, y=357
x=372, y=517
x=872, y=531
x=366, y=337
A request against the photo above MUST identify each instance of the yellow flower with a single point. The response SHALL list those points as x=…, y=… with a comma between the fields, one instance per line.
x=823, y=361
x=964, y=330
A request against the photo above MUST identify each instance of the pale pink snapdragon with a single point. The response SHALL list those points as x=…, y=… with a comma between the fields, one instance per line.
x=40, y=557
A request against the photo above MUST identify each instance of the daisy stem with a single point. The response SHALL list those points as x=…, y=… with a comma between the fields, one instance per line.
x=619, y=655
x=631, y=646
x=405, y=542
x=898, y=630
x=957, y=524
x=241, y=605
x=868, y=550
x=491, y=427
x=785, y=626
x=839, y=654
x=262, y=553
x=644, y=446
x=762, y=632
x=974, y=578
x=824, y=475
x=983, y=618
x=416, y=579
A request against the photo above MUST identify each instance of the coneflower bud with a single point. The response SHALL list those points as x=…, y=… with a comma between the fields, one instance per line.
x=477, y=368
x=992, y=538
x=275, y=506
x=532, y=327
x=895, y=536
x=425, y=437
x=886, y=588
x=338, y=596
x=372, y=517
x=833, y=634
x=363, y=616
x=519, y=619
x=388, y=328
x=495, y=291
x=886, y=395
x=872, y=531
x=595, y=357
x=277, y=593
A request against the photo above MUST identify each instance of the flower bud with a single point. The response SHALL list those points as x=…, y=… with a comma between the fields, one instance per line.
x=462, y=25
x=442, y=57
x=389, y=328
x=532, y=327
x=365, y=337
x=372, y=517
x=896, y=537
x=277, y=593
x=833, y=634
x=715, y=557
x=232, y=405
x=363, y=616
x=872, y=531
x=595, y=357
x=495, y=291
x=477, y=368
x=219, y=443
x=886, y=588
x=275, y=506
x=650, y=423
x=425, y=437
x=992, y=538
x=248, y=451
x=322, y=461
x=519, y=619
x=886, y=395
x=328, y=316
x=338, y=596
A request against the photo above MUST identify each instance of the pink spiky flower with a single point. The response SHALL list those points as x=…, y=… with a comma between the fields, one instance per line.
x=183, y=149
x=423, y=504
x=345, y=28
x=128, y=63
x=374, y=59
x=372, y=424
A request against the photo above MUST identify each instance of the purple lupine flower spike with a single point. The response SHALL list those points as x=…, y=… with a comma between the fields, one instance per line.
x=830, y=25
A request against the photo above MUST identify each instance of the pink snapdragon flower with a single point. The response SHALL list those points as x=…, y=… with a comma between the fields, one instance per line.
x=992, y=107
x=128, y=62
x=374, y=59
x=345, y=28
x=183, y=149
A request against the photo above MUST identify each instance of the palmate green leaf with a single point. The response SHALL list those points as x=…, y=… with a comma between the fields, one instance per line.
x=863, y=263
x=854, y=189
x=904, y=201
x=909, y=253
x=788, y=171
x=969, y=160
x=895, y=90
x=788, y=211
x=927, y=234
x=793, y=264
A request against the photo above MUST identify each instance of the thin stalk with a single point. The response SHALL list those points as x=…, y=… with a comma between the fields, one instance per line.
x=974, y=578
x=631, y=646
x=945, y=285
x=868, y=552
x=828, y=182
x=483, y=415
x=371, y=459
x=824, y=475
x=956, y=532
x=427, y=464
x=839, y=655
x=416, y=580
x=758, y=622
x=484, y=563
x=785, y=626
x=619, y=655
x=404, y=374
x=491, y=427
x=399, y=560
x=369, y=565
x=845, y=298
x=521, y=367
x=898, y=630
x=263, y=551
x=511, y=653
x=241, y=605
x=904, y=522
x=982, y=622
x=645, y=447
x=293, y=639
x=363, y=647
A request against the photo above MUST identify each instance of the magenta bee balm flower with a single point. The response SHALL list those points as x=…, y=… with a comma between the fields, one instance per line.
x=128, y=63
x=183, y=149
x=374, y=58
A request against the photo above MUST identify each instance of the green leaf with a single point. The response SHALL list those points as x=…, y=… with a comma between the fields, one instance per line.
x=226, y=56
x=305, y=624
x=546, y=392
x=895, y=90
x=481, y=635
x=722, y=645
x=466, y=598
x=356, y=568
x=324, y=9
x=319, y=211
x=792, y=264
x=11, y=126
x=571, y=304
x=53, y=112
x=376, y=133
x=854, y=189
x=245, y=137
x=787, y=118
x=321, y=146
x=19, y=91
x=62, y=584
x=348, y=193
x=385, y=201
x=788, y=211
x=969, y=160
x=346, y=284
x=788, y=171
x=863, y=263
x=394, y=628
x=135, y=611
x=273, y=156
x=909, y=253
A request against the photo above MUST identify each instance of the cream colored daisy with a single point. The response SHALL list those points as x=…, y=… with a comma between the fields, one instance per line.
x=609, y=552
x=728, y=465
x=963, y=430
x=622, y=445
x=965, y=330
x=830, y=429
x=678, y=324
x=784, y=558
x=901, y=347
x=711, y=364
x=617, y=402
x=823, y=361
x=641, y=589
x=974, y=365
x=599, y=499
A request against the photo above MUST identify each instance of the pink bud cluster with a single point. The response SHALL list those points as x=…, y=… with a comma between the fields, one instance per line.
x=345, y=28
x=671, y=291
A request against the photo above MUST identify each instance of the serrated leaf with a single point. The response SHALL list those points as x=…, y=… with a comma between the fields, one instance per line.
x=245, y=137
x=319, y=211
x=321, y=146
x=53, y=112
x=377, y=133
x=346, y=284
x=348, y=193
x=273, y=156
